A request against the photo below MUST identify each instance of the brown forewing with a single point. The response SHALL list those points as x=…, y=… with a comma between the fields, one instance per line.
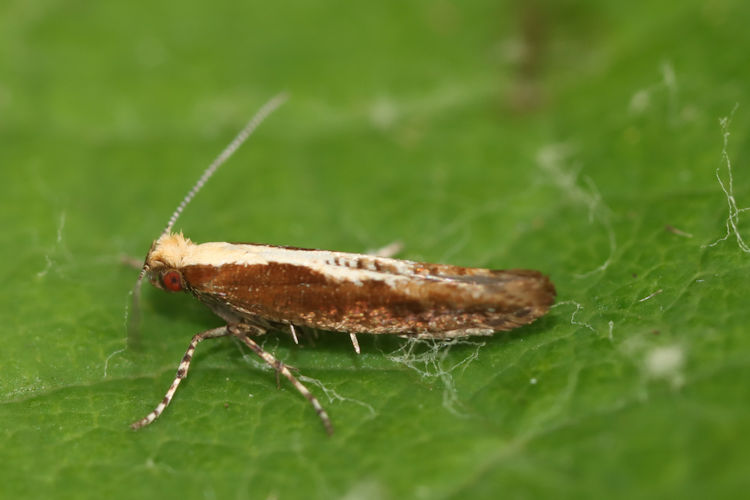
x=437, y=301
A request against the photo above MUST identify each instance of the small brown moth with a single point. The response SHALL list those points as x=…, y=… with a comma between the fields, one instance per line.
x=256, y=288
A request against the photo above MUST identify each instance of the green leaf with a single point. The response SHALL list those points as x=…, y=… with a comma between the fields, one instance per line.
x=581, y=139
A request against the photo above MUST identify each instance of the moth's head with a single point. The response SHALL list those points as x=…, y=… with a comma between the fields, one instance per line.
x=165, y=259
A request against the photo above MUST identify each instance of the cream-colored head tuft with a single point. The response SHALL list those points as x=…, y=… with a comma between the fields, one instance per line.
x=169, y=251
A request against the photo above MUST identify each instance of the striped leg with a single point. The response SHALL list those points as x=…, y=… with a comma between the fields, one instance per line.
x=182, y=372
x=284, y=370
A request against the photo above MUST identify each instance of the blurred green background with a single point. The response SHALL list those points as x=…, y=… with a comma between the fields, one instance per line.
x=581, y=138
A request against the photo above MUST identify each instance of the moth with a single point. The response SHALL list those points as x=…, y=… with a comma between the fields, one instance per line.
x=255, y=288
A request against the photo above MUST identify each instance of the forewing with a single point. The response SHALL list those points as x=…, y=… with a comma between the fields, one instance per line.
x=360, y=293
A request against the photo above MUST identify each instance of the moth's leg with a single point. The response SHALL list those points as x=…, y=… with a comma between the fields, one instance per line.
x=257, y=328
x=242, y=333
x=311, y=335
x=182, y=372
x=387, y=251
x=355, y=343
x=294, y=333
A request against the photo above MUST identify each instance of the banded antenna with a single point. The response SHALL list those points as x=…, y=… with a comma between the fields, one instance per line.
x=269, y=107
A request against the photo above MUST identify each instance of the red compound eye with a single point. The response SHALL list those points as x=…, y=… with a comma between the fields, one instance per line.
x=172, y=281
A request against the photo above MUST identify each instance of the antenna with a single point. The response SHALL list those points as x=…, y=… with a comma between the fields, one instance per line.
x=256, y=120
x=269, y=107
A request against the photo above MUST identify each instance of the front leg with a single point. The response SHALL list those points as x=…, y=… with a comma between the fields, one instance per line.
x=243, y=333
x=182, y=371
